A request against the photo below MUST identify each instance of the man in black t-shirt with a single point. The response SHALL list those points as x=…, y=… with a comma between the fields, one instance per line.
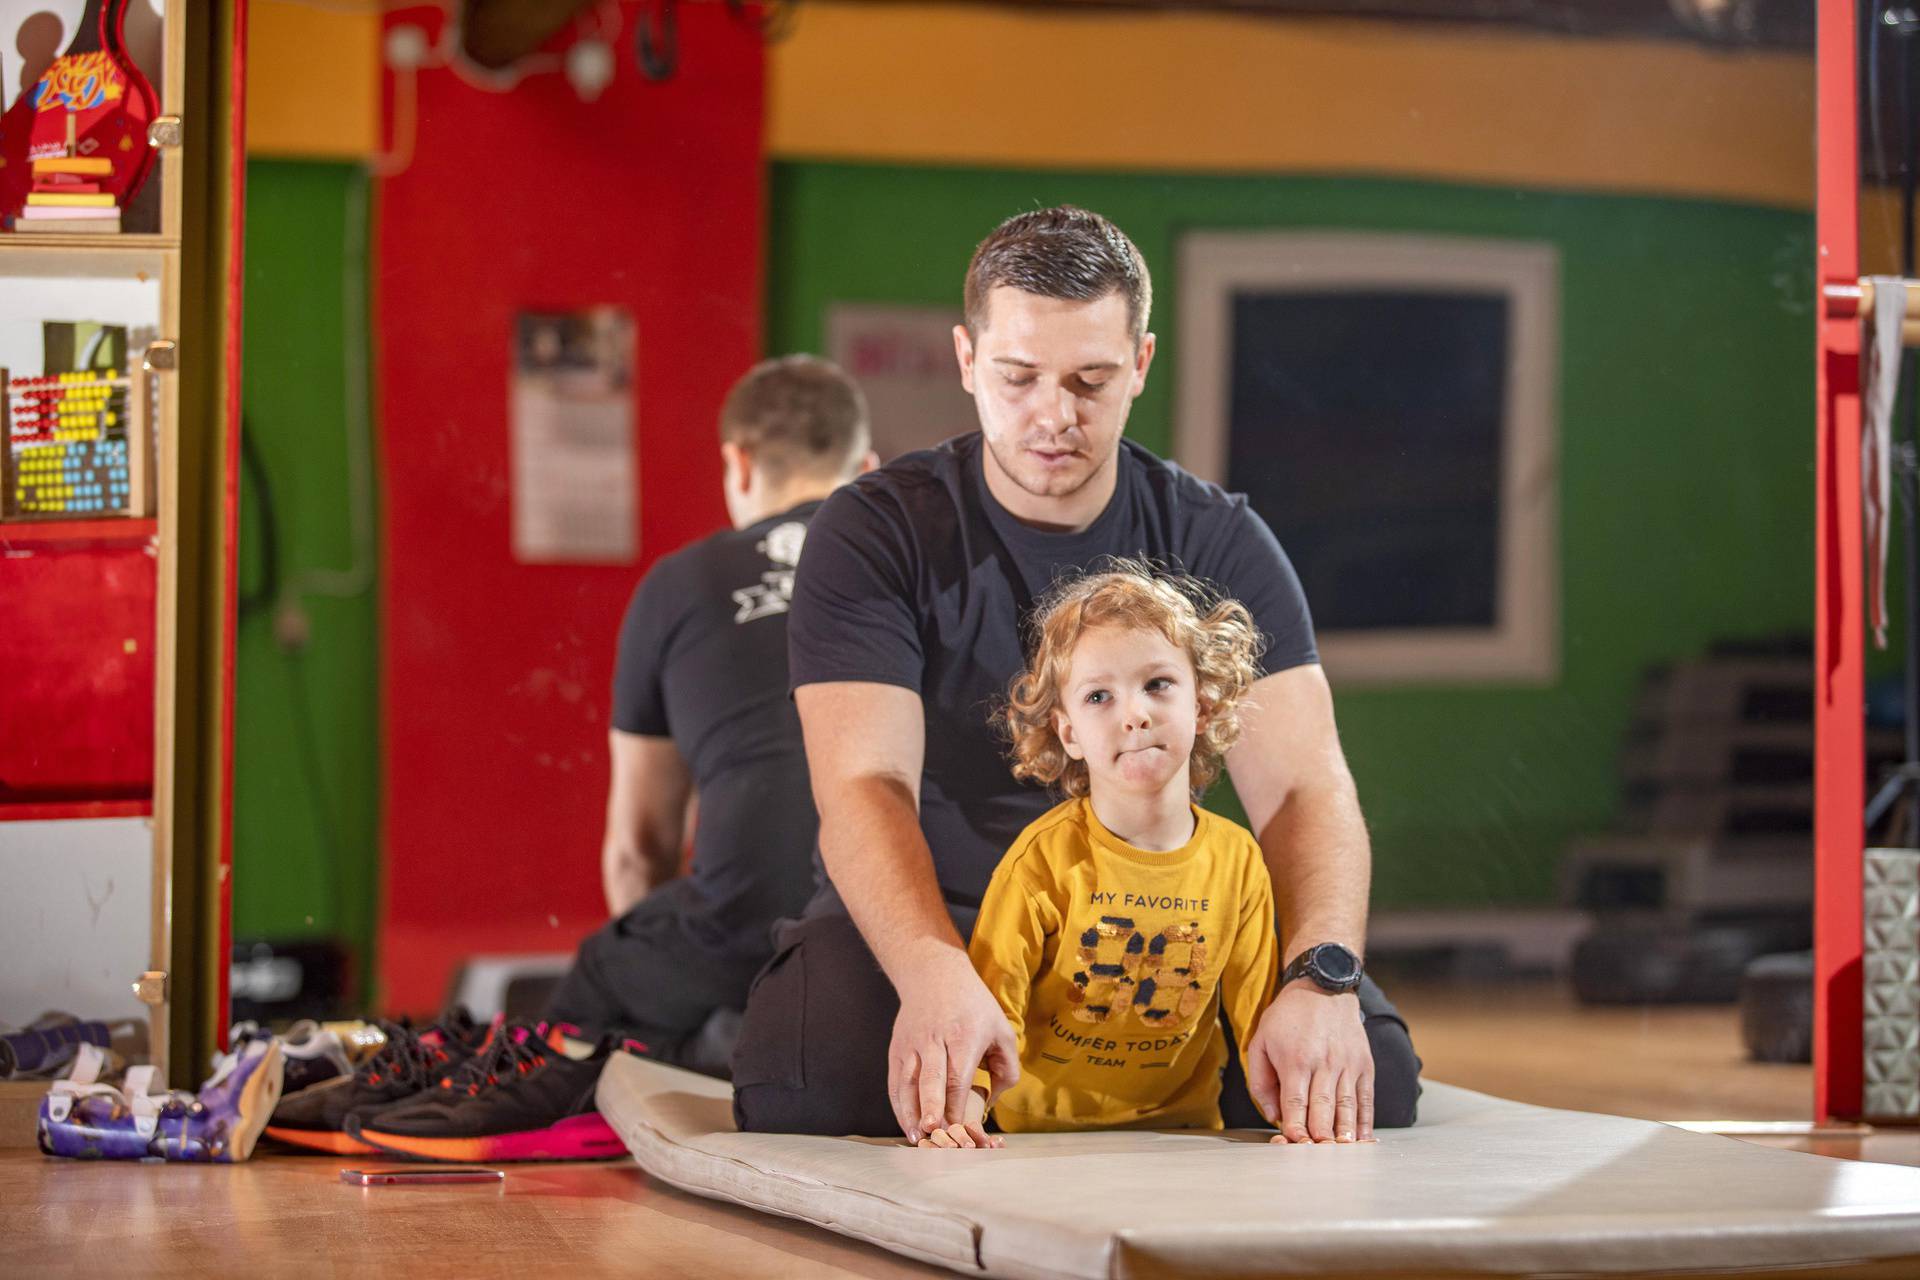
x=700, y=708
x=907, y=621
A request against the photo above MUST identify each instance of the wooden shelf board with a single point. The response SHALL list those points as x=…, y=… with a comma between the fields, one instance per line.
x=126, y=241
x=132, y=531
x=64, y=810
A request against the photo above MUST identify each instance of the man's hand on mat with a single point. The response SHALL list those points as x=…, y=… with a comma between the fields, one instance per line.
x=949, y=1026
x=1310, y=1069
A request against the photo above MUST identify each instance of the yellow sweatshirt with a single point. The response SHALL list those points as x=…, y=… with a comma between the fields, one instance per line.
x=1113, y=964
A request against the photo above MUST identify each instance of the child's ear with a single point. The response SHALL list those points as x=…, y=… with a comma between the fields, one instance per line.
x=1063, y=729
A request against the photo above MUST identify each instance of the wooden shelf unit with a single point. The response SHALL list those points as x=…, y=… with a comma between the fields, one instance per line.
x=195, y=255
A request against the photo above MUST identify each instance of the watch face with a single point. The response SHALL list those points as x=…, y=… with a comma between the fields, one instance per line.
x=1336, y=964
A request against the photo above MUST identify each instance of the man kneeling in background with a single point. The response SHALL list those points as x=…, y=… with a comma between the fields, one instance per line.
x=700, y=709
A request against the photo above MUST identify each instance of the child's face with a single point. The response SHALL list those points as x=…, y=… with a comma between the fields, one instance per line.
x=1129, y=709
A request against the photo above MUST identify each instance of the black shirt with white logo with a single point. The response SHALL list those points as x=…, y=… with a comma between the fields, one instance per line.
x=914, y=575
x=703, y=660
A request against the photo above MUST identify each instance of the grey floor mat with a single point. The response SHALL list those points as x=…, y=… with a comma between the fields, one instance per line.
x=1480, y=1186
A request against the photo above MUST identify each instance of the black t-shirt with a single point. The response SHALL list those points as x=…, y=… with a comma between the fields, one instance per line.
x=914, y=575
x=703, y=660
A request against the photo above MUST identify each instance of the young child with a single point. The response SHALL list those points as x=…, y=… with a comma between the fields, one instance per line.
x=1123, y=921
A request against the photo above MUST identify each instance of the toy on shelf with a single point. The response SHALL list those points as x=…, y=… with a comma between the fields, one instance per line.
x=67, y=196
x=76, y=435
x=74, y=148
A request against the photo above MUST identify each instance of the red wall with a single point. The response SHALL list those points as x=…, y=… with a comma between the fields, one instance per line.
x=496, y=673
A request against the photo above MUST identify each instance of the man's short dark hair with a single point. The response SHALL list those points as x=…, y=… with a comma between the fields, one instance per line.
x=1065, y=252
x=797, y=414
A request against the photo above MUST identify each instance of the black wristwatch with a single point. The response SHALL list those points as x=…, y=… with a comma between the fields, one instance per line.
x=1332, y=967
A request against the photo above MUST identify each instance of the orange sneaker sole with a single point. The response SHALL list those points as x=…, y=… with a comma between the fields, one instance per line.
x=339, y=1144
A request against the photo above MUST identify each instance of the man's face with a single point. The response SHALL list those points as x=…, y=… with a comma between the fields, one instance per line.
x=1053, y=381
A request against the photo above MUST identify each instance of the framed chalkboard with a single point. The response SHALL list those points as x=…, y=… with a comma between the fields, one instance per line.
x=1386, y=403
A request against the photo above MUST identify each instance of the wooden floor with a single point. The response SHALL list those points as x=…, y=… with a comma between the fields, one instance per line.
x=1686, y=1063
x=290, y=1215
x=1534, y=1043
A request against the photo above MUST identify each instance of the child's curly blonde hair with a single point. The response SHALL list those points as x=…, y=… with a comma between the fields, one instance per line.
x=1217, y=635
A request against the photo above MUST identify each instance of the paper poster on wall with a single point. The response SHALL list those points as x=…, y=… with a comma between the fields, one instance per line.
x=902, y=357
x=574, y=464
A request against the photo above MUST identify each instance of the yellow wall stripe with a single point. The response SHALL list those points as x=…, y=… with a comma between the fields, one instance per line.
x=313, y=80
x=1179, y=92
x=974, y=84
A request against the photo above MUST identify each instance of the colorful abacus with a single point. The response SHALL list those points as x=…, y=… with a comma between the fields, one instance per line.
x=69, y=444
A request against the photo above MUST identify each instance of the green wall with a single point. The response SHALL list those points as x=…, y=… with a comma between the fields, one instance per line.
x=1685, y=443
x=306, y=733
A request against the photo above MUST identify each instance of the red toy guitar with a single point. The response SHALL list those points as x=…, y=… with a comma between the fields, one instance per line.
x=77, y=139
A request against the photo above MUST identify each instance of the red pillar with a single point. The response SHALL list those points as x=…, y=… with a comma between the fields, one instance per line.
x=495, y=674
x=1839, y=754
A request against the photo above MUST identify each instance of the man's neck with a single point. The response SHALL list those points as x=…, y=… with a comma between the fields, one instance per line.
x=1063, y=513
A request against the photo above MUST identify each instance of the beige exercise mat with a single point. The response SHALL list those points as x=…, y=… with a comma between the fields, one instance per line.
x=1481, y=1185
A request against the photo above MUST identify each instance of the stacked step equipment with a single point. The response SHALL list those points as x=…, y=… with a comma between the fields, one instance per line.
x=1712, y=862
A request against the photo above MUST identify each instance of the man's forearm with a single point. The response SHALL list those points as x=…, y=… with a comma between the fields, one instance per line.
x=1317, y=851
x=628, y=874
x=878, y=860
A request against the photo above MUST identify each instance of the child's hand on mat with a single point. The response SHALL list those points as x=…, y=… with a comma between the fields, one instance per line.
x=965, y=1135
x=968, y=1130
x=1281, y=1140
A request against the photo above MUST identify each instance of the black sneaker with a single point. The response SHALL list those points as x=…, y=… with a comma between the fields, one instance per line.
x=407, y=1063
x=314, y=1053
x=521, y=1098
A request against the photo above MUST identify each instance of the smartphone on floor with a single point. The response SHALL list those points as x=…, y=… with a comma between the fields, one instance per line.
x=414, y=1177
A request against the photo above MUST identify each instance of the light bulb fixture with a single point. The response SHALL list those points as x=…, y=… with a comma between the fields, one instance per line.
x=406, y=47
x=589, y=67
